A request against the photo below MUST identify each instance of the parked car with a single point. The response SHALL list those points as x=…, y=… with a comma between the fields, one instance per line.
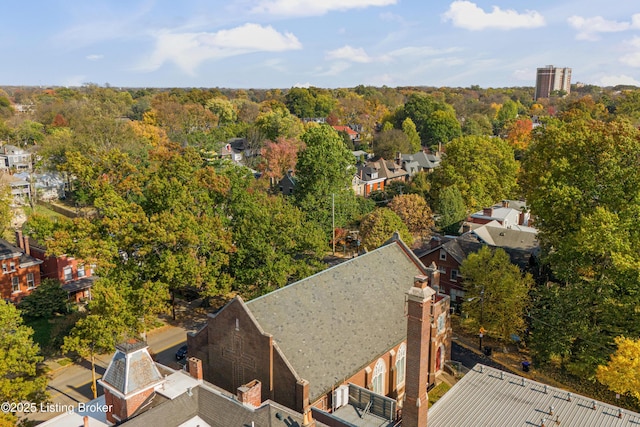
x=181, y=353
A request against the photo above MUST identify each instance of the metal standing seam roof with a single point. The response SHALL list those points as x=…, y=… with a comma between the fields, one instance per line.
x=332, y=324
x=490, y=397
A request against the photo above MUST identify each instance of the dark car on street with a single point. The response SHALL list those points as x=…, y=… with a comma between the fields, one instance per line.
x=181, y=353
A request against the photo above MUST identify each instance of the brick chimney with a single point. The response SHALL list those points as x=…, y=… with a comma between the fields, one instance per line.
x=419, y=297
x=250, y=393
x=487, y=211
x=27, y=249
x=195, y=368
x=19, y=240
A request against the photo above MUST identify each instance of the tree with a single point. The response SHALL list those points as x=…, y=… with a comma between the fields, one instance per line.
x=409, y=129
x=441, y=128
x=274, y=243
x=482, y=168
x=46, y=300
x=580, y=179
x=6, y=215
x=622, y=373
x=92, y=335
x=325, y=167
x=435, y=120
x=20, y=379
x=388, y=143
x=280, y=157
x=223, y=109
x=497, y=291
x=414, y=212
x=451, y=209
x=519, y=134
x=379, y=226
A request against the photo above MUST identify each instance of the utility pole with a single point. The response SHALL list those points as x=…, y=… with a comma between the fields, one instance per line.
x=333, y=221
x=482, y=330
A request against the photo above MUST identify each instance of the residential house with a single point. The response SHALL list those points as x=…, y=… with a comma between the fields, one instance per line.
x=353, y=135
x=426, y=160
x=508, y=213
x=287, y=184
x=14, y=159
x=231, y=153
x=374, y=175
x=48, y=186
x=74, y=275
x=20, y=272
x=449, y=252
x=343, y=332
x=20, y=189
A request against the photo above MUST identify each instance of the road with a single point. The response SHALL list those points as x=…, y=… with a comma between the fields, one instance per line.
x=71, y=384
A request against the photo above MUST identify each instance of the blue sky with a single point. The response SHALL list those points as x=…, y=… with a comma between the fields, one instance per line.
x=324, y=43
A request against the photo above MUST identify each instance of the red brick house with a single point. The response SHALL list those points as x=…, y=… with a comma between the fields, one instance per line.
x=75, y=276
x=339, y=333
x=20, y=272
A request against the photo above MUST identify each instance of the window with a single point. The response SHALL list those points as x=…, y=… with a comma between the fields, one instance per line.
x=68, y=274
x=454, y=275
x=443, y=255
x=4, y=267
x=442, y=270
x=12, y=266
x=15, y=284
x=31, y=283
x=81, y=271
x=401, y=362
x=377, y=382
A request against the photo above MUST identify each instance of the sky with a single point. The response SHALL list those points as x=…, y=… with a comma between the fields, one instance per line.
x=322, y=43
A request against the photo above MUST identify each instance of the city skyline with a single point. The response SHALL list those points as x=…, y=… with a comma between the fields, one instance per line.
x=285, y=43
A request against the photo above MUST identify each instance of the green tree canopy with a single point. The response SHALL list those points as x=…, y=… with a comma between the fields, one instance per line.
x=46, y=300
x=388, y=143
x=497, y=291
x=482, y=168
x=20, y=379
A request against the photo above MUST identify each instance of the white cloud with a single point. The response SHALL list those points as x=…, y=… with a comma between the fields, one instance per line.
x=313, y=7
x=633, y=57
x=188, y=50
x=335, y=69
x=465, y=14
x=589, y=28
x=350, y=54
x=94, y=57
x=621, y=79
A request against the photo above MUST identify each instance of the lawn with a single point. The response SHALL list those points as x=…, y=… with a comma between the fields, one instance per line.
x=437, y=392
x=42, y=331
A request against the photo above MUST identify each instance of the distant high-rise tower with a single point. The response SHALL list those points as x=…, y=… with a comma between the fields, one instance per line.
x=550, y=79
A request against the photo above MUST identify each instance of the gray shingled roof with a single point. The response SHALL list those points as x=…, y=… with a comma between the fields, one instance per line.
x=485, y=398
x=330, y=325
x=131, y=369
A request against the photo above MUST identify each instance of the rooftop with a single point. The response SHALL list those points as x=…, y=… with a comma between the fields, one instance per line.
x=490, y=397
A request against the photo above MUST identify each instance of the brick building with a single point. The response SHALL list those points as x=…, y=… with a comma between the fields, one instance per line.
x=342, y=331
x=20, y=272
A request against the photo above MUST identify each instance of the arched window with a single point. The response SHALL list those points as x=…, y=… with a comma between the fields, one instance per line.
x=401, y=362
x=378, y=377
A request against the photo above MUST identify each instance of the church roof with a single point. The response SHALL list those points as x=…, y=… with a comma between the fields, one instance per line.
x=331, y=325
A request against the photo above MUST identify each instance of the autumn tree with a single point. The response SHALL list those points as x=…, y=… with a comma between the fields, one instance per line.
x=378, y=226
x=482, y=168
x=279, y=157
x=622, y=373
x=519, y=134
x=497, y=291
x=93, y=335
x=20, y=379
x=580, y=179
x=414, y=212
